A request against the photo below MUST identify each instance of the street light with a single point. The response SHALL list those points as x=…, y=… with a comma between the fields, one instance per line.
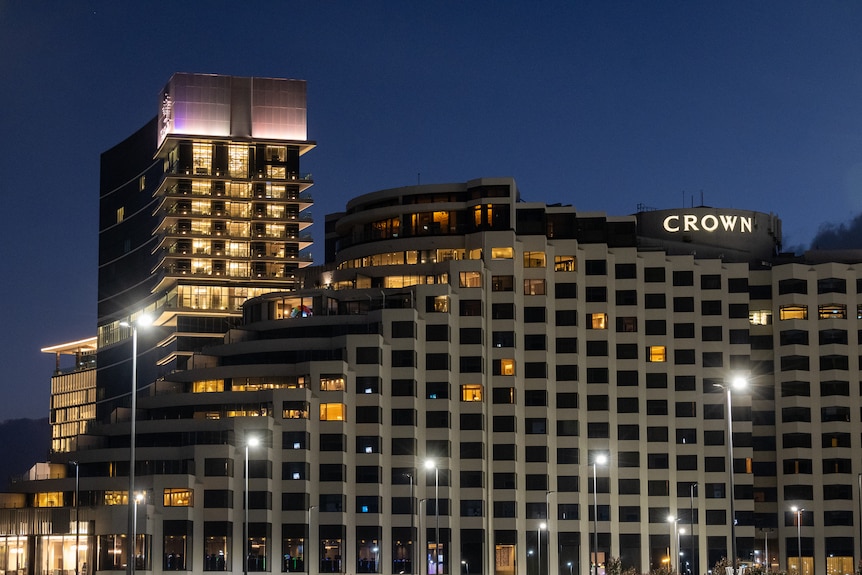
x=737, y=383
x=466, y=566
x=77, y=521
x=539, y=547
x=252, y=441
x=569, y=565
x=134, y=559
x=431, y=464
x=692, y=487
x=798, y=511
x=680, y=531
x=673, y=521
x=412, y=519
x=599, y=459
x=142, y=321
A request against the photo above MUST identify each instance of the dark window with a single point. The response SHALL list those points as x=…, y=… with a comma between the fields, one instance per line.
x=627, y=378
x=503, y=311
x=596, y=267
x=403, y=388
x=403, y=358
x=470, y=307
x=683, y=304
x=655, y=301
x=625, y=271
x=503, y=395
x=368, y=474
x=596, y=294
x=684, y=330
x=737, y=310
x=437, y=419
x=710, y=307
x=654, y=275
x=566, y=345
x=655, y=327
x=437, y=390
x=368, y=414
x=627, y=404
x=683, y=357
x=369, y=355
x=737, y=285
x=597, y=348
x=437, y=332
x=627, y=297
x=535, y=315
x=831, y=285
x=657, y=434
x=793, y=337
x=535, y=342
x=332, y=472
x=566, y=290
x=656, y=407
x=628, y=432
x=711, y=333
x=792, y=286
x=474, y=421
x=597, y=403
x=710, y=281
x=404, y=417
x=403, y=446
x=403, y=329
x=504, y=451
x=739, y=336
x=829, y=336
x=470, y=335
x=830, y=388
x=436, y=361
x=333, y=442
x=567, y=400
x=472, y=450
x=627, y=351
x=683, y=278
x=536, y=397
x=566, y=317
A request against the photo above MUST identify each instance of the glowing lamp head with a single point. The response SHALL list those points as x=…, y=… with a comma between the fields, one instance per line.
x=601, y=459
x=430, y=464
x=739, y=382
x=253, y=441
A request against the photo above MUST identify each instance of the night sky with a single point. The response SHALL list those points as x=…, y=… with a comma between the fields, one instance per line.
x=602, y=105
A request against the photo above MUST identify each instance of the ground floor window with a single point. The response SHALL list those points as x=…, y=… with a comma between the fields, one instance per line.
x=331, y=552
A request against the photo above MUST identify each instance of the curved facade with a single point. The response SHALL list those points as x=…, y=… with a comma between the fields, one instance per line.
x=510, y=344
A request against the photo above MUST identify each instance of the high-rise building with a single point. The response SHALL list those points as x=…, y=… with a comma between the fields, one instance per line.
x=200, y=209
x=475, y=383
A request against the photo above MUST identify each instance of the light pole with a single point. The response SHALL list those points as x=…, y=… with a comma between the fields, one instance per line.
x=679, y=562
x=569, y=565
x=539, y=547
x=673, y=521
x=599, y=459
x=138, y=498
x=548, y=517
x=252, y=441
x=142, y=321
x=798, y=511
x=429, y=464
x=77, y=521
x=466, y=566
x=412, y=519
x=692, y=487
x=738, y=383
x=307, y=557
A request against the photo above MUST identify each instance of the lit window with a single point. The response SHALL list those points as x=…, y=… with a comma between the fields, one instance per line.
x=565, y=264
x=48, y=499
x=295, y=410
x=441, y=304
x=332, y=411
x=534, y=287
x=276, y=172
x=502, y=253
x=203, y=157
x=598, y=321
x=534, y=259
x=331, y=382
x=471, y=392
x=237, y=160
x=208, y=386
x=142, y=183
x=276, y=153
x=470, y=279
x=793, y=312
x=116, y=498
x=832, y=311
x=657, y=353
x=475, y=254
x=760, y=317
x=121, y=213
x=507, y=367
x=178, y=497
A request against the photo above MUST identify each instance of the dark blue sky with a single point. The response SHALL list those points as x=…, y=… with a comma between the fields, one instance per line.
x=602, y=105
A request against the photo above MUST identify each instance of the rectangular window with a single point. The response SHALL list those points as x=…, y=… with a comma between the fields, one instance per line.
x=832, y=311
x=330, y=382
x=471, y=392
x=534, y=259
x=597, y=321
x=502, y=253
x=470, y=279
x=332, y=411
x=180, y=497
x=534, y=287
x=786, y=312
x=565, y=264
x=502, y=283
x=656, y=353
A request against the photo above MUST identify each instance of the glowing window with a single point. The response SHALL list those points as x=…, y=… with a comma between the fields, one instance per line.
x=208, y=386
x=203, y=157
x=507, y=367
x=534, y=287
x=121, y=213
x=116, y=498
x=502, y=253
x=48, y=499
x=656, y=353
x=471, y=392
x=475, y=254
x=441, y=304
x=295, y=410
x=565, y=264
x=178, y=497
x=760, y=317
x=832, y=311
x=598, y=321
x=276, y=172
x=470, y=279
x=534, y=259
x=793, y=312
x=237, y=160
x=331, y=382
x=332, y=411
